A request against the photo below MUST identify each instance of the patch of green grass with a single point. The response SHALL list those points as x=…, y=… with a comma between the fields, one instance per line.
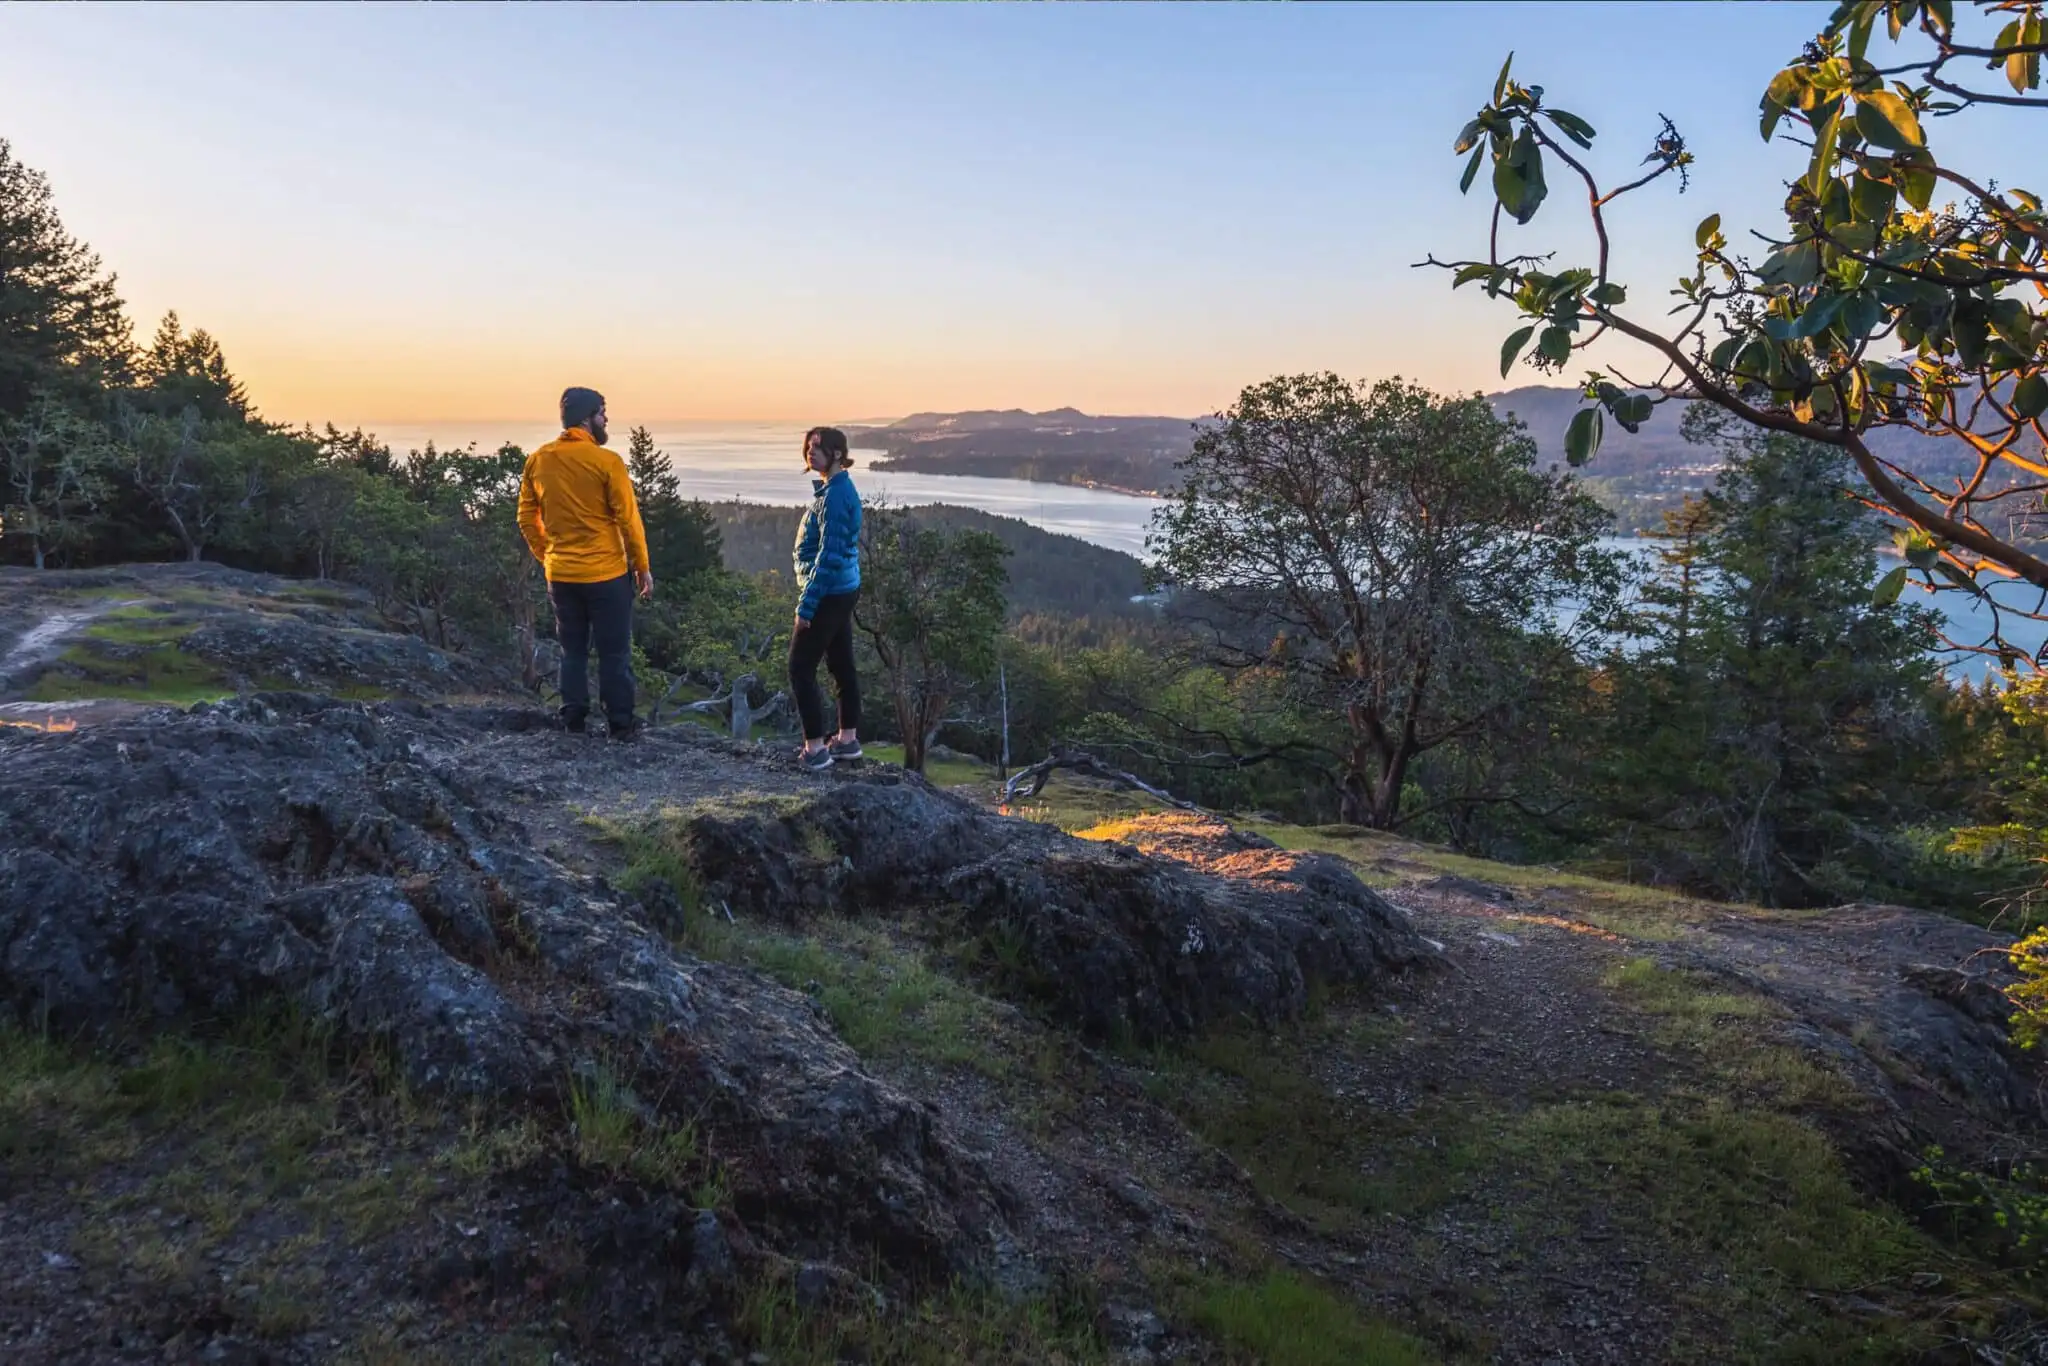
x=883, y=998
x=163, y=674
x=956, y=1325
x=1283, y=1319
x=1335, y=1161
x=1731, y=1036
x=614, y=1131
x=940, y=772
x=152, y=630
x=1755, y=1220
x=656, y=848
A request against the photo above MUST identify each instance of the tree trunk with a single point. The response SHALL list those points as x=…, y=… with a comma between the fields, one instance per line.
x=36, y=548
x=913, y=746
x=1003, y=689
x=1371, y=788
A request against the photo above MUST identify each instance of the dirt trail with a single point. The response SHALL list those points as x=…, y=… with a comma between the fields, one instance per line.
x=40, y=642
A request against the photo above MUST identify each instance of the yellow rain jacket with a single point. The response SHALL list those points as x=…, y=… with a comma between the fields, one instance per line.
x=577, y=512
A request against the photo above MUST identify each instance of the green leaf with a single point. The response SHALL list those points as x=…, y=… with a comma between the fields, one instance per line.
x=1859, y=32
x=1825, y=140
x=2022, y=69
x=1479, y=270
x=1960, y=578
x=1575, y=128
x=1913, y=174
x=1783, y=92
x=2010, y=320
x=1582, y=438
x=1861, y=314
x=1754, y=364
x=1632, y=411
x=1793, y=266
x=1512, y=348
x=1500, y=84
x=2030, y=395
x=1608, y=295
x=1471, y=170
x=1555, y=345
x=1709, y=228
x=1468, y=138
x=1518, y=178
x=1818, y=317
x=1872, y=200
x=1887, y=591
x=1887, y=121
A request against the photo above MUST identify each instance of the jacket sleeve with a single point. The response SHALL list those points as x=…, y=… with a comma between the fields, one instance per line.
x=530, y=525
x=836, y=543
x=626, y=509
x=804, y=560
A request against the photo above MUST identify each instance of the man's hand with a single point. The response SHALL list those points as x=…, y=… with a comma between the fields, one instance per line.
x=645, y=580
x=801, y=622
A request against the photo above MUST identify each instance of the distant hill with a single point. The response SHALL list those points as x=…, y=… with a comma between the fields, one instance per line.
x=1063, y=446
x=1138, y=454
x=1049, y=573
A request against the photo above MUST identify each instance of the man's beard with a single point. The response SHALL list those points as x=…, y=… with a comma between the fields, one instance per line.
x=597, y=431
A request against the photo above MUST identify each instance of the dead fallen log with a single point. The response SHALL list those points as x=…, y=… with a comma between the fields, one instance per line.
x=1087, y=765
x=741, y=715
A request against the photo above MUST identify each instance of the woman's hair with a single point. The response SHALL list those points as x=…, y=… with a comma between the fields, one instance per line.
x=834, y=442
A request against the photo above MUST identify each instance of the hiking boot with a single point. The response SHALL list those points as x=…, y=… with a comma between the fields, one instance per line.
x=816, y=760
x=574, y=725
x=625, y=730
x=844, y=749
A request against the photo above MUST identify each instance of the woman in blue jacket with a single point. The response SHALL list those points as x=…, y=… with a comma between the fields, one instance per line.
x=828, y=573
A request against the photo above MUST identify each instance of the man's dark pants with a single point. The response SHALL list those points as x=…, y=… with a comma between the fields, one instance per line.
x=603, y=613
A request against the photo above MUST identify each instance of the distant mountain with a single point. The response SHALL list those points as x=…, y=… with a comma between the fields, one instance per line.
x=1063, y=446
x=1138, y=454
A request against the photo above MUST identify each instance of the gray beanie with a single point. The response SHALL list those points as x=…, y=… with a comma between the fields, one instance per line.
x=579, y=406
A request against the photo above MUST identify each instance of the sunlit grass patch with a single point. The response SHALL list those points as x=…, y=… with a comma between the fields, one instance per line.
x=1283, y=1319
x=940, y=772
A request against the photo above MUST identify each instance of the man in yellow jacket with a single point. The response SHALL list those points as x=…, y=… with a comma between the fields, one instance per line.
x=577, y=512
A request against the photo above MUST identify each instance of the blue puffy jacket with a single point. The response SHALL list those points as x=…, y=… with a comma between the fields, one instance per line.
x=828, y=543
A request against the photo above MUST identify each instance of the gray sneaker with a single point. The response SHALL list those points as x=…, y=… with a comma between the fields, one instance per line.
x=848, y=749
x=816, y=760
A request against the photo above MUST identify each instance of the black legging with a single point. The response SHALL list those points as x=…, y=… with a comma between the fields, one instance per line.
x=829, y=637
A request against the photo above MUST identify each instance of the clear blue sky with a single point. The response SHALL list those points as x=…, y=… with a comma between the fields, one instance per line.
x=415, y=213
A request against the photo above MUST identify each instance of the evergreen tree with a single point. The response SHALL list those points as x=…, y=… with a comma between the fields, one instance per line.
x=682, y=535
x=187, y=370
x=62, y=327
x=1765, y=737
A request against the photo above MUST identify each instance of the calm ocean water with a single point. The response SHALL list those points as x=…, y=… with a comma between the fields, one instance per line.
x=759, y=463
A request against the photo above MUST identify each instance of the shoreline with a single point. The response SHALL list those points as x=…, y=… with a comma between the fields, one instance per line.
x=888, y=463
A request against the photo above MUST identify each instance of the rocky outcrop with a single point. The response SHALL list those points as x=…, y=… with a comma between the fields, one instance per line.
x=363, y=865
x=1117, y=943
x=241, y=630
x=286, y=849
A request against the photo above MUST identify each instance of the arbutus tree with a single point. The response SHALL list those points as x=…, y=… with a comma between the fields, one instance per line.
x=1386, y=559
x=1898, y=317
